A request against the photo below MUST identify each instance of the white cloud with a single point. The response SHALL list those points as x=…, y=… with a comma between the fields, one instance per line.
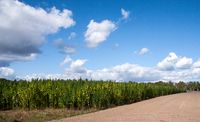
x=6, y=72
x=75, y=66
x=184, y=63
x=196, y=64
x=23, y=28
x=125, y=14
x=167, y=70
x=67, y=75
x=98, y=32
x=143, y=51
x=77, y=63
x=71, y=36
x=172, y=62
x=67, y=60
x=123, y=72
x=169, y=62
x=192, y=74
x=126, y=72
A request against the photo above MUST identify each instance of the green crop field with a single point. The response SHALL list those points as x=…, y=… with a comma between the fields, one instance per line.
x=78, y=94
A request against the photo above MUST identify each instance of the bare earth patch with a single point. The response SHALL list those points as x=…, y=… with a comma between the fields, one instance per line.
x=184, y=107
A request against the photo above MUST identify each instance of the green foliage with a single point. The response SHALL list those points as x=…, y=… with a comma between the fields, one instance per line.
x=78, y=94
x=193, y=86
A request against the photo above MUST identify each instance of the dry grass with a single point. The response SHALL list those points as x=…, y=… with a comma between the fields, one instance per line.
x=39, y=115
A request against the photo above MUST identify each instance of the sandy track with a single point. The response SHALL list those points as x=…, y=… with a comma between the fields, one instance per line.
x=184, y=107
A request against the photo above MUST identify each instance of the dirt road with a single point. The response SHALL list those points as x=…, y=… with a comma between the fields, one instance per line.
x=184, y=107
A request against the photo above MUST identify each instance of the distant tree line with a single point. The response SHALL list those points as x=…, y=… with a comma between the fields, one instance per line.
x=82, y=94
x=189, y=86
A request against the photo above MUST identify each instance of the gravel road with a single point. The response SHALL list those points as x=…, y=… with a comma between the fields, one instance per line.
x=184, y=107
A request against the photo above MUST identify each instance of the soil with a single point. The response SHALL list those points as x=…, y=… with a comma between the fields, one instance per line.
x=184, y=107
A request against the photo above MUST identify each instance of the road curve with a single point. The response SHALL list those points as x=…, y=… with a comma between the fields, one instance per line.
x=184, y=107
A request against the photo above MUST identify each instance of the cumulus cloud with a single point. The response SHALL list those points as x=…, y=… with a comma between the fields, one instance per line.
x=98, y=32
x=67, y=75
x=71, y=36
x=192, y=74
x=23, y=29
x=196, y=64
x=168, y=62
x=172, y=68
x=126, y=72
x=172, y=62
x=142, y=51
x=67, y=60
x=125, y=14
x=77, y=63
x=63, y=47
x=123, y=72
x=184, y=63
x=6, y=72
x=75, y=66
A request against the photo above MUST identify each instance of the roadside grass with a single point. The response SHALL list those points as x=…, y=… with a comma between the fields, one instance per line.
x=20, y=115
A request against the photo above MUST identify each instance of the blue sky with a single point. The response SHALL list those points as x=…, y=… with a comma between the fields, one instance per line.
x=152, y=40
